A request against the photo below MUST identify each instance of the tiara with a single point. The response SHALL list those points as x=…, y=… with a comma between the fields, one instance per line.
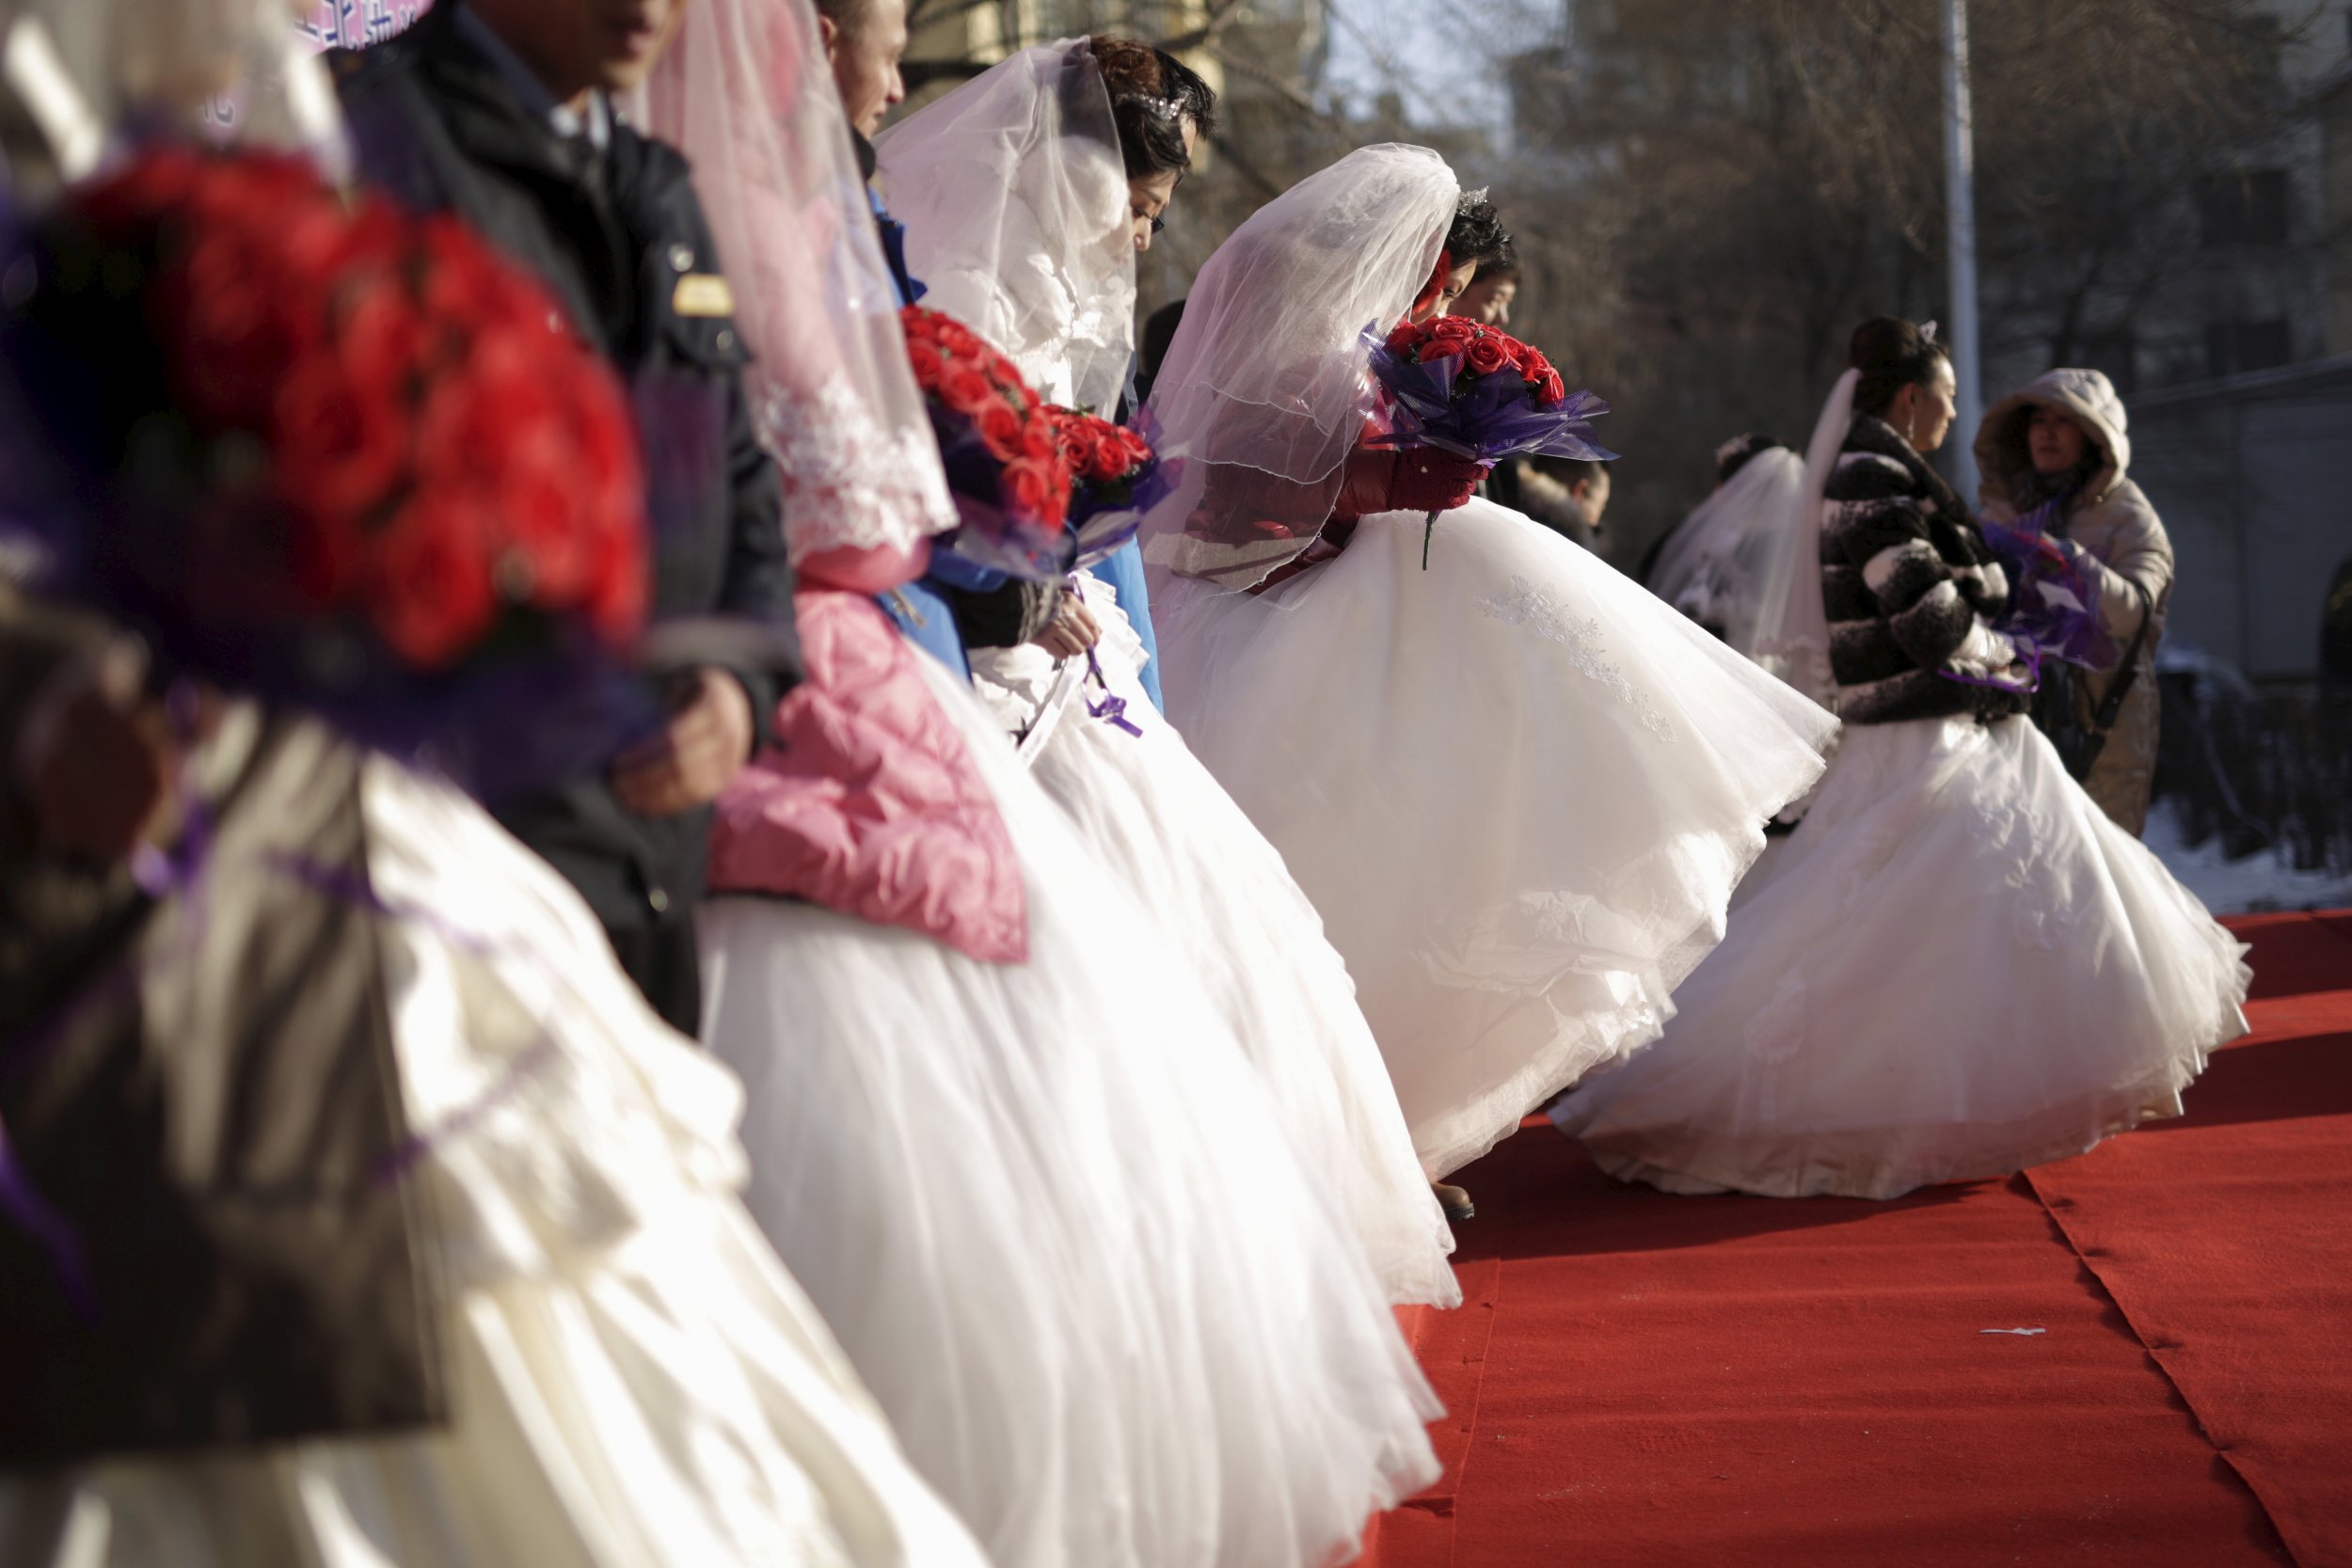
x=1927, y=332
x=1163, y=108
x=1469, y=199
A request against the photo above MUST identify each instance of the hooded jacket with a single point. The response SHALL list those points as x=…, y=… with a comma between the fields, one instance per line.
x=2109, y=516
x=2112, y=520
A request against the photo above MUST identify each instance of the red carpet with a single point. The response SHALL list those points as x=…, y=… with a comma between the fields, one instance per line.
x=1639, y=1379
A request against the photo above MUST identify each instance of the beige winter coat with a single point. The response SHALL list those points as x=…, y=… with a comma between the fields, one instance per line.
x=2111, y=519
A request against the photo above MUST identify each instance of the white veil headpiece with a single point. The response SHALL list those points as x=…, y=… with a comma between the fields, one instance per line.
x=1014, y=197
x=1714, y=567
x=1265, y=389
x=746, y=94
x=1792, y=624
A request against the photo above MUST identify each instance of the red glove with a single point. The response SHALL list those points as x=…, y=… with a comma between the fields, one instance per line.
x=1416, y=479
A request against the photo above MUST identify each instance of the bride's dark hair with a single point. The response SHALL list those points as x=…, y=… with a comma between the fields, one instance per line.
x=1152, y=94
x=1891, y=354
x=1478, y=236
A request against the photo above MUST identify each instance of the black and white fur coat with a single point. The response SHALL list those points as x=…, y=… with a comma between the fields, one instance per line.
x=1906, y=581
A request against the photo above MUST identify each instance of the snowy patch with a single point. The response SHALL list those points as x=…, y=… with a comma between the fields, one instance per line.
x=2257, y=884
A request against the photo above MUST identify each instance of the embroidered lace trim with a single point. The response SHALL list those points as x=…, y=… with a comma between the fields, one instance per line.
x=848, y=482
x=1525, y=604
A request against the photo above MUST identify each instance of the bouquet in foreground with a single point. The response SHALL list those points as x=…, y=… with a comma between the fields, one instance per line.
x=1001, y=447
x=322, y=452
x=1466, y=388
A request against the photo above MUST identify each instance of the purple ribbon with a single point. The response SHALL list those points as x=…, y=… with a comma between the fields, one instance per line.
x=1112, y=709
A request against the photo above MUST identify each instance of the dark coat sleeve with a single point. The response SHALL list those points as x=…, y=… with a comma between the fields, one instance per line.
x=1878, y=528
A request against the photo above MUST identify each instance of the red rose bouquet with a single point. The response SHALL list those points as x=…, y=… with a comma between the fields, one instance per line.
x=1115, y=478
x=316, y=448
x=1466, y=388
x=1003, y=454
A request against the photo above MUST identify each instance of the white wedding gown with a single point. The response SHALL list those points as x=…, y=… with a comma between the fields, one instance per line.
x=1520, y=789
x=635, y=1382
x=1957, y=967
x=1049, y=1212
x=1225, y=905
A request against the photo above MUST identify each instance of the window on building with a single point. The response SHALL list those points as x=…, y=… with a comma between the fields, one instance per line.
x=2244, y=207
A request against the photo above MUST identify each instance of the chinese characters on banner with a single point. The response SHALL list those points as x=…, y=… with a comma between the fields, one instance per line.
x=336, y=24
x=357, y=23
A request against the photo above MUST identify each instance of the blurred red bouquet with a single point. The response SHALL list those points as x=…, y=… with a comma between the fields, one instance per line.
x=1004, y=456
x=322, y=450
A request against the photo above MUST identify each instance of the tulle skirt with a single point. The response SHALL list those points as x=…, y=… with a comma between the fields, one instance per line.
x=1520, y=789
x=636, y=1383
x=1956, y=968
x=1225, y=904
x=1049, y=1212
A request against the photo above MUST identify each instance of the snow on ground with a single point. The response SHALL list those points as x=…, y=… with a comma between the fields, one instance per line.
x=2256, y=884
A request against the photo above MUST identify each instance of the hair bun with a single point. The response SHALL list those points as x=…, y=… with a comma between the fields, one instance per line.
x=1888, y=345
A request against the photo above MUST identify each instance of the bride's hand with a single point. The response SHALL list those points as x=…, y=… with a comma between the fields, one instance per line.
x=1071, y=631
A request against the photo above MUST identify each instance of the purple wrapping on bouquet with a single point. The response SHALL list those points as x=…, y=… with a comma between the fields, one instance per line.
x=1483, y=417
x=1103, y=519
x=2054, y=597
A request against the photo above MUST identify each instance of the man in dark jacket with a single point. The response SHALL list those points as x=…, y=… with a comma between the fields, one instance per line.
x=497, y=110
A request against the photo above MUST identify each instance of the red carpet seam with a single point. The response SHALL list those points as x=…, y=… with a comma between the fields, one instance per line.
x=2154, y=1356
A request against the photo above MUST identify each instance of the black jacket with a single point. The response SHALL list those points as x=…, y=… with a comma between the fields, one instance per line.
x=1904, y=577
x=620, y=240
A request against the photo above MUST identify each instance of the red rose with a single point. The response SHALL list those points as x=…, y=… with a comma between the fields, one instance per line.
x=1451, y=329
x=1486, y=355
x=1552, y=390
x=929, y=366
x=1041, y=439
x=1031, y=487
x=383, y=343
x=431, y=595
x=340, y=445
x=1404, y=339
x=967, y=391
x=1000, y=427
x=232, y=331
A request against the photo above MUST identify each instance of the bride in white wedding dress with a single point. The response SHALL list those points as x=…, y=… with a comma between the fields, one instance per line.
x=1957, y=966
x=1036, y=1190
x=1058, y=284
x=1518, y=788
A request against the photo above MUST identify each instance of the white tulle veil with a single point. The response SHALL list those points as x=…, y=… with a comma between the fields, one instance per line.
x=1265, y=389
x=1014, y=197
x=1792, y=624
x=1714, y=567
x=747, y=95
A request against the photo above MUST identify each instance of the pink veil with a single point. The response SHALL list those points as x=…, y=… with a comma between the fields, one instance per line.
x=747, y=96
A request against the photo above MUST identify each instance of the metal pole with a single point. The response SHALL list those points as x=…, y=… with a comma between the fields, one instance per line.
x=1960, y=159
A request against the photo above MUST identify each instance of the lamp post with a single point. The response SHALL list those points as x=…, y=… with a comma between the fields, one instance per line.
x=1960, y=158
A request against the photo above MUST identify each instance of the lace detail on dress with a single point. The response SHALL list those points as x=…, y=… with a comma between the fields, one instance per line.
x=1523, y=603
x=2048, y=914
x=847, y=482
